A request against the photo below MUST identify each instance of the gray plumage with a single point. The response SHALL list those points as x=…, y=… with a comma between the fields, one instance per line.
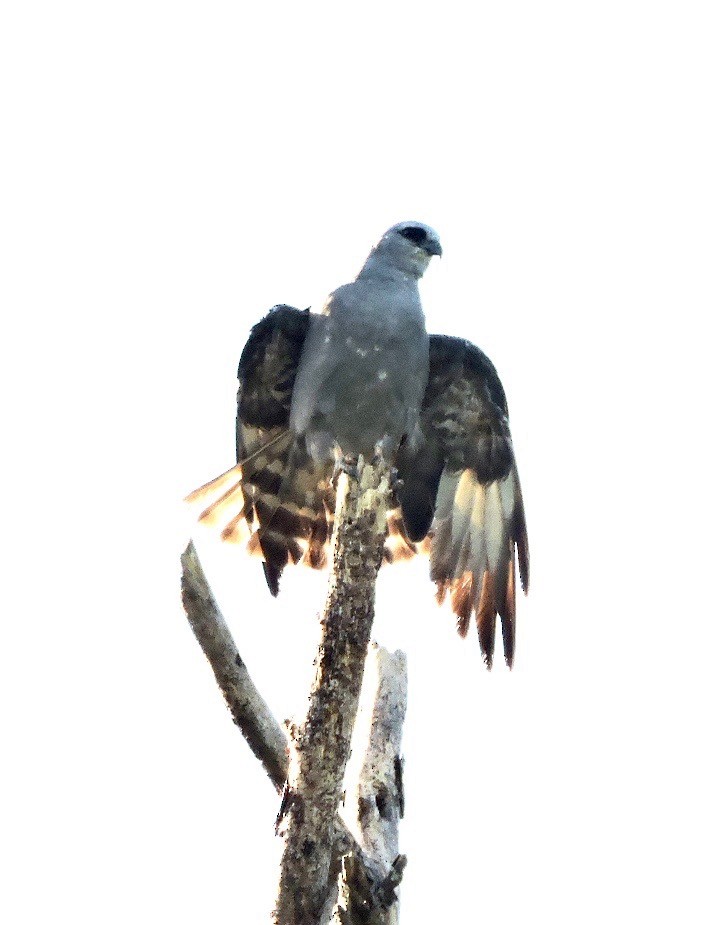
x=365, y=362
x=364, y=378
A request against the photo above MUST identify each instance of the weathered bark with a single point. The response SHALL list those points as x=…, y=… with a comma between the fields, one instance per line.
x=248, y=708
x=367, y=882
x=359, y=903
x=379, y=795
x=319, y=750
x=374, y=803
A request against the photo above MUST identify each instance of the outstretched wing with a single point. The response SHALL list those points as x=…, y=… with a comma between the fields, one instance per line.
x=462, y=487
x=272, y=501
x=267, y=370
x=277, y=501
x=458, y=492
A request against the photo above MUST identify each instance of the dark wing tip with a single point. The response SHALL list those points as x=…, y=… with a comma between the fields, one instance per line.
x=524, y=560
x=442, y=588
x=462, y=602
x=508, y=640
x=506, y=609
x=520, y=537
x=463, y=621
x=486, y=651
x=486, y=620
x=272, y=573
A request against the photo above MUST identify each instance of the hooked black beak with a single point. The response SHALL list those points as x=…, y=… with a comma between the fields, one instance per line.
x=433, y=248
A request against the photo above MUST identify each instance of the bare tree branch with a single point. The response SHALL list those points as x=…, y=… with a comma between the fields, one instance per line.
x=319, y=750
x=248, y=708
x=359, y=903
x=374, y=802
x=379, y=793
x=368, y=880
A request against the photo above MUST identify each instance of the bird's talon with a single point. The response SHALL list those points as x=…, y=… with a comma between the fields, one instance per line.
x=350, y=465
x=395, y=481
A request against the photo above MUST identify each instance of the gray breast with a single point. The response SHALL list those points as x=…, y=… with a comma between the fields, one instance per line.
x=363, y=370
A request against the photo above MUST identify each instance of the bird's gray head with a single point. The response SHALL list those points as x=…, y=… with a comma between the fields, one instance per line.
x=407, y=247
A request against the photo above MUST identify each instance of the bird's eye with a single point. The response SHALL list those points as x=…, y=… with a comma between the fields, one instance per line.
x=415, y=235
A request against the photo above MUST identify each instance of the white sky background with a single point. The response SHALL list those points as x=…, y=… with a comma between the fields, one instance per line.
x=173, y=170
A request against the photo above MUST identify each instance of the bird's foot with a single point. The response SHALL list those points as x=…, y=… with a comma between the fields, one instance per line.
x=349, y=464
x=385, y=451
x=395, y=481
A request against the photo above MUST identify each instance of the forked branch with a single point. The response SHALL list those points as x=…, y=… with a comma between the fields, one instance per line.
x=319, y=750
x=317, y=845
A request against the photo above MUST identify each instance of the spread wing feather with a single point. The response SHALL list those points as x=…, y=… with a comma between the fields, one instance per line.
x=478, y=516
x=273, y=501
x=458, y=492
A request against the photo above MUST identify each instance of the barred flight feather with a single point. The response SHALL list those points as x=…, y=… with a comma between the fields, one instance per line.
x=476, y=530
x=457, y=499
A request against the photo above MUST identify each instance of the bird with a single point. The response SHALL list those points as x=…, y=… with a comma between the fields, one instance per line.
x=363, y=378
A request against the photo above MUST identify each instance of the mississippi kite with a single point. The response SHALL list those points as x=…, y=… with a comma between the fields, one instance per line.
x=364, y=378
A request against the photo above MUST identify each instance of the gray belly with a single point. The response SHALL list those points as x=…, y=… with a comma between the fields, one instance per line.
x=365, y=403
x=361, y=395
